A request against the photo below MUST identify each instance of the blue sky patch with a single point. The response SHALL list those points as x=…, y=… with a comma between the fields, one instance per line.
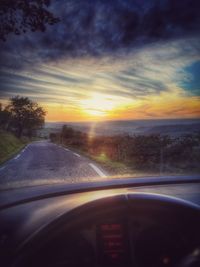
x=193, y=84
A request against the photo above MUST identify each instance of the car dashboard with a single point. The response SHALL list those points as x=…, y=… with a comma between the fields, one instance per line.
x=150, y=226
x=114, y=241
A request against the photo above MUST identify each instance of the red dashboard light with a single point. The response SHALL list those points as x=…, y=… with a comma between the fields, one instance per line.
x=113, y=243
x=111, y=227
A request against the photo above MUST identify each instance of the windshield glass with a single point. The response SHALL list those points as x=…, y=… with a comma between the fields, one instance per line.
x=92, y=90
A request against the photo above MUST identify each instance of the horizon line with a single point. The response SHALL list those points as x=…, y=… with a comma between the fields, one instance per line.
x=99, y=121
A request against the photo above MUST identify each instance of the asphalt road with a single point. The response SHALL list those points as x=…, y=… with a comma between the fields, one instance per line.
x=44, y=162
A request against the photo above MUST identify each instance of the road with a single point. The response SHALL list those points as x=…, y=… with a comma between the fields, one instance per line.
x=44, y=162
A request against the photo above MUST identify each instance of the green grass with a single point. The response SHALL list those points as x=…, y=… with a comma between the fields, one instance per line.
x=113, y=167
x=9, y=145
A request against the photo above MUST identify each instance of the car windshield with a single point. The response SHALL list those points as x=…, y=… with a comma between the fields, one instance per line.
x=94, y=90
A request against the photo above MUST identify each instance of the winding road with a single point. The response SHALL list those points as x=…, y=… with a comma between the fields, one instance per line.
x=44, y=162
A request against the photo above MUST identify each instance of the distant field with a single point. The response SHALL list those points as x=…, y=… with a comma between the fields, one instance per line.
x=9, y=145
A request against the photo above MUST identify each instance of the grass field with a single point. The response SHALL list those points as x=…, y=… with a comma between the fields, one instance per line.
x=9, y=145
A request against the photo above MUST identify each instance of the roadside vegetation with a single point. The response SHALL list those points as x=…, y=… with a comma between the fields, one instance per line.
x=10, y=145
x=19, y=122
x=138, y=154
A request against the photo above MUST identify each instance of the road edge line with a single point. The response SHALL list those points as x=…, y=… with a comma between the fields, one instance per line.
x=98, y=171
x=77, y=155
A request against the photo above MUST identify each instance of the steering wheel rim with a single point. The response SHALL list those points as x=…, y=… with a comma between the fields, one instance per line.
x=139, y=202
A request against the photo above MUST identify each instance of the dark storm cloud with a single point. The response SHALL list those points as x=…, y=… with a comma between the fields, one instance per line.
x=102, y=27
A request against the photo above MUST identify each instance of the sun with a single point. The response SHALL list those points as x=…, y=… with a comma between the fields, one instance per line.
x=98, y=105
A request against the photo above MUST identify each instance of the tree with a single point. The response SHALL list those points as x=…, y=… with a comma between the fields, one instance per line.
x=19, y=16
x=27, y=116
x=5, y=117
x=67, y=132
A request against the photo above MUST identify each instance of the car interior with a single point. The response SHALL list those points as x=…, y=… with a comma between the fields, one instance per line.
x=115, y=224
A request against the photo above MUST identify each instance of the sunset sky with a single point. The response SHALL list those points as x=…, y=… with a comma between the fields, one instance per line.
x=109, y=60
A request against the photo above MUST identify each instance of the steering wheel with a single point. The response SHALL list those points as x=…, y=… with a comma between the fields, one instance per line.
x=176, y=214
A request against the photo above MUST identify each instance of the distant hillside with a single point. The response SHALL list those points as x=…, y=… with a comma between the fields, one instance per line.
x=173, y=127
x=175, y=130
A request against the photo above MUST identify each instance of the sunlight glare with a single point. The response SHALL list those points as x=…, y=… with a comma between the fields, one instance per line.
x=98, y=105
